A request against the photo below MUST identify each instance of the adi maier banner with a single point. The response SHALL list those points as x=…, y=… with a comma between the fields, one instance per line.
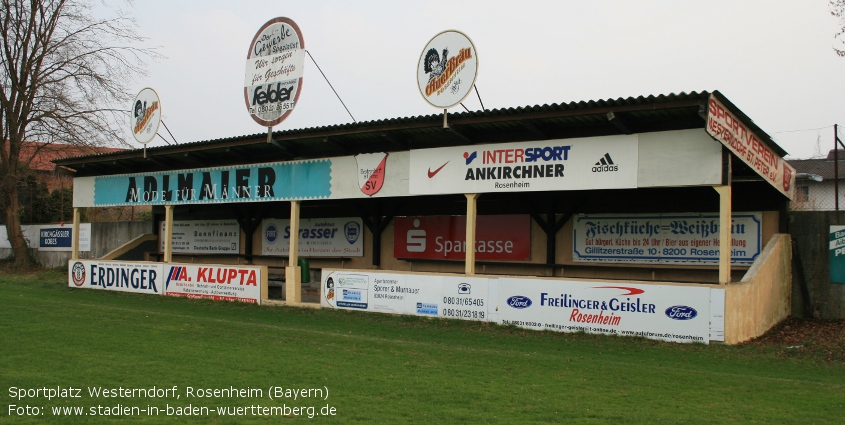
x=664, y=238
x=608, y=162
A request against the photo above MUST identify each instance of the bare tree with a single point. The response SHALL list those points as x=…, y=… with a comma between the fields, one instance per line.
x=837, y=9
x=65, y=74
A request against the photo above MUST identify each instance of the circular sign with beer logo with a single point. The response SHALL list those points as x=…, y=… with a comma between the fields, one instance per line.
x=145, y=115
x=447, y=69
x=273, y=78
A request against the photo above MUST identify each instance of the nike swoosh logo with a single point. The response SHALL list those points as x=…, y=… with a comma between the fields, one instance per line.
x=432, y=174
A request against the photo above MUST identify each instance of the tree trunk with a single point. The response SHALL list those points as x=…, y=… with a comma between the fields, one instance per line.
x=13, y=228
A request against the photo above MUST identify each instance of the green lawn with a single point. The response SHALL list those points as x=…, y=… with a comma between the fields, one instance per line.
x=377, y=368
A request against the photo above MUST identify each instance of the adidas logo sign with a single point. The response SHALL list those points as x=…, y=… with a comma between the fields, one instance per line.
x=605, y=164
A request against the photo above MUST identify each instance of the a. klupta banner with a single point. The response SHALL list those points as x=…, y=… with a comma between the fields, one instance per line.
x=318, y=237
x=498, y=237
x=123, y=276
x=219, y=283
x=664, y=238
x=607, y=162
x=204, y=236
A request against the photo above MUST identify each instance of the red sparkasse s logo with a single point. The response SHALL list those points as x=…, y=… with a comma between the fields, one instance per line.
x=498, y=237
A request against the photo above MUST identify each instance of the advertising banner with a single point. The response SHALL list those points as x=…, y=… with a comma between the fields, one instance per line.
x=447, y=69
x=498, y=237
x=146, y=116
x=219, y=283
x=607, y=162
x=836, y=250
x=724, y=126
x=273, y=77
x=137, y=277
x=318, y=237
x=664, y=238
x=681, y=313
x=669, y=313
x=60, y=238
x=204, y=236
x=452, y=297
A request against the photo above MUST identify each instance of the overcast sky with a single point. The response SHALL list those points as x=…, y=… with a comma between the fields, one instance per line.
x=772, y=58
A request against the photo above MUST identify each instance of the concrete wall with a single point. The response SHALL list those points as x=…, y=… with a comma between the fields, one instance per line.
x=763, y=297
x=813, y=295
x=105, y=237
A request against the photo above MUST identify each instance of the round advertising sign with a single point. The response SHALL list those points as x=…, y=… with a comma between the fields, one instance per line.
x=447, y=69
x=273, y=78
x=145, y=115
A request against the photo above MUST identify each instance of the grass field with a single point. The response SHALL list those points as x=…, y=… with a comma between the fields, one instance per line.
x=376, y=368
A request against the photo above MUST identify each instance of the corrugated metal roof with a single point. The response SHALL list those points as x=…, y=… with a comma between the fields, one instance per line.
x=539, y=122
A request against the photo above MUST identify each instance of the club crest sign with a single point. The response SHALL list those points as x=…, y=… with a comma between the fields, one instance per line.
x=371, y=172
x=145, y=116
x=273, y=77
x=447, y=69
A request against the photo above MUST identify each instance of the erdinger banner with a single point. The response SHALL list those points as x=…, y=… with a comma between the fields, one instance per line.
x=123, y=276
x=498, y=237
x=318, y=237
x=724, y=126
x=670, y=313
x=608, y=162
x=219, y=283
x=664, y=238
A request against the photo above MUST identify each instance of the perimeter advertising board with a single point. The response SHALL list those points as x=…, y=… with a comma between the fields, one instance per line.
x=498, y=237
x=453, y=297
x=608, y=162
x=664, y=238
x=123, y=276
x=680, y=313
x=724, y=126
x=204, y=236
x=219, y=283
x=222, y=283
x=50, y=237
x=318, y=237
x=670, y=313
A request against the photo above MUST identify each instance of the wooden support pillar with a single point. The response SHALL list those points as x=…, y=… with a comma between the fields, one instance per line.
x=293, y=278
x=168, y=233
x=725, y=235
x=472, y=209
x=74, y=244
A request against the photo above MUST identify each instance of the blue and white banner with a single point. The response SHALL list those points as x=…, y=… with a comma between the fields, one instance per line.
x=50, y=237
x=318, y=237
x=664, y=238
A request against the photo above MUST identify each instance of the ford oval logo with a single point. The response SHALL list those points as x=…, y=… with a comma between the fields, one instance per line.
x=519, y=301
x=681, y=312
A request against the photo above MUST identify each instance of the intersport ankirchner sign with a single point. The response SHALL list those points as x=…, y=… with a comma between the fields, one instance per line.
x=608, y=162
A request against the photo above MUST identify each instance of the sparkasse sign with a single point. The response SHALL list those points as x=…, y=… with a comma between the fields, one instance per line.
x=499, y=237
x=273, y=77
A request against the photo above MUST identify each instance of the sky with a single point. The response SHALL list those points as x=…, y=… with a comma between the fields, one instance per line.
x=773, y=59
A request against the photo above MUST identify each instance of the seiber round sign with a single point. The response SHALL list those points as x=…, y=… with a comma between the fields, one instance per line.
x=447, y=69
x=273, y=78
x=146, y=115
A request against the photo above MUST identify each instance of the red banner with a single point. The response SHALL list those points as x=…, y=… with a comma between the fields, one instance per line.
x=498, y=237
